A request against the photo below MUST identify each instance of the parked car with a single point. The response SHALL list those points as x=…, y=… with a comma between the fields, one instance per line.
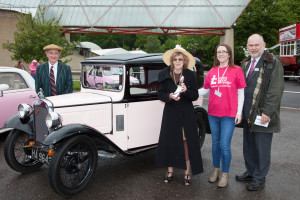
x=16, y=87
x=107, y=77
x=66, y=131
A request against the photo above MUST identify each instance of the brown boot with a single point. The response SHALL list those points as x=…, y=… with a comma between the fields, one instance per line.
x=214, y=175
x=223, y=180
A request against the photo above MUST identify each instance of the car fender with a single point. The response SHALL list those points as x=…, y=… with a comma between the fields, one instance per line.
x=67, y=131
x=16, y=122
x=201, y=111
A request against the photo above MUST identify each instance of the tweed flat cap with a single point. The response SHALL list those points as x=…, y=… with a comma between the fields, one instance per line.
x=52, y=46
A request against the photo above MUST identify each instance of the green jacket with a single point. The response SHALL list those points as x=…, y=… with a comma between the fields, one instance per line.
x=269, y=93
x=64, y=82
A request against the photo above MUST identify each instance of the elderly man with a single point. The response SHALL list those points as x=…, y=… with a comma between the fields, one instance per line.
x=53, y=77
x=265, y=84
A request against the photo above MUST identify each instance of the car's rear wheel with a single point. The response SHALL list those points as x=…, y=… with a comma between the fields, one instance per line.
x=72, y=165
x=201, y=128
x=16, y=155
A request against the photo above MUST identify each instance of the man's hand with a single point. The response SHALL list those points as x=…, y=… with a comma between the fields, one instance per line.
x=264, y=118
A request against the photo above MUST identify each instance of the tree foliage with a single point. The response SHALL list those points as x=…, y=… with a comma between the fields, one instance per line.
x=266, y=17
x=35, y=33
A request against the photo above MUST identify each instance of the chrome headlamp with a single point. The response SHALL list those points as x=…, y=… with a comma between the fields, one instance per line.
x=53, y=120
x=24, y=110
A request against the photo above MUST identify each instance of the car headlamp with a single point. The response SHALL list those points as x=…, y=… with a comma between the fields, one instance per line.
x=24, y=110
x=53, y=119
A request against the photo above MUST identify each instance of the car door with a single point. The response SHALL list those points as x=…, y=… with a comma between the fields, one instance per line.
x=17, y=93
x=144, y=112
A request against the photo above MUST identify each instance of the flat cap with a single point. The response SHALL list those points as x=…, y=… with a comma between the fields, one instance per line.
x=52, y=46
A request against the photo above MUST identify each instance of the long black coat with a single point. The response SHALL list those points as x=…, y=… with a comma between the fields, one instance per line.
x=177, y=115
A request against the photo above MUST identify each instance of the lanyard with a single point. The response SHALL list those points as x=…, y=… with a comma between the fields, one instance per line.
x=222, y=75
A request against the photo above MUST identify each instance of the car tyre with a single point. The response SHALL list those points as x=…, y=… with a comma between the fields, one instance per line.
x=72, y=165
x=201, y=128
x=16, y=156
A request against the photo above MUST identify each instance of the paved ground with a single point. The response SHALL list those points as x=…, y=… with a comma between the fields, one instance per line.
x=137, y=177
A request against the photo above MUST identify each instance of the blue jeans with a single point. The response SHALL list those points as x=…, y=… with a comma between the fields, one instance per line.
x=221, y=132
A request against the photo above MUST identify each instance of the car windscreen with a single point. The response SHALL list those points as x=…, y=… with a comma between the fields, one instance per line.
x=103, y=76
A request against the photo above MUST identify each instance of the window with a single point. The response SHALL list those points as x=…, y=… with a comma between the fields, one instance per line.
x=103, y=77
x=289, y=48
x=143, y=79
x=14, y=80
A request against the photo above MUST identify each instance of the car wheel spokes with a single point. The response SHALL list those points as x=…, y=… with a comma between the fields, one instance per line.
x=75, y=166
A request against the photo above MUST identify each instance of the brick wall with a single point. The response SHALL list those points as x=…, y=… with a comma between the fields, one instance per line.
x=8, y=23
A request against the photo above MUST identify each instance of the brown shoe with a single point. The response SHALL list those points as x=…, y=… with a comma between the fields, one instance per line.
x=223, y=180
x=214, y=175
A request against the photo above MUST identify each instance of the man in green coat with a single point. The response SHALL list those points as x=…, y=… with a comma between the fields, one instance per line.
x=53, y=77
x=261, y=111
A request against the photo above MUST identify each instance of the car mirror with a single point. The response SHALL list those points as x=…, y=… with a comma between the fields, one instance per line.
x=2, y=88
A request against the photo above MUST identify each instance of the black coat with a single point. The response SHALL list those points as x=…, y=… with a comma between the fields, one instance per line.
x=177, y=115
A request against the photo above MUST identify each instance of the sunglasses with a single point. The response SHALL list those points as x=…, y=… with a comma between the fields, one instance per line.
x=177, y=59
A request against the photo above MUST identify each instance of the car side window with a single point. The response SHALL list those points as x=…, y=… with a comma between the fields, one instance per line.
x=143, y=79
x=14, y=80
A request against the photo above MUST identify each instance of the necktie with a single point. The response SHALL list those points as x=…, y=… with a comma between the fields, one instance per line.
x=251, y=69
x=52, y=82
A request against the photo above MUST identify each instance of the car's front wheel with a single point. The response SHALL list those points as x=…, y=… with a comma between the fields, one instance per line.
x=72, y=165
x=16, y=154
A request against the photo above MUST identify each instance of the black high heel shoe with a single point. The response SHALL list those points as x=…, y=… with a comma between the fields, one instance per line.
x=187, y=181
x=168, y=178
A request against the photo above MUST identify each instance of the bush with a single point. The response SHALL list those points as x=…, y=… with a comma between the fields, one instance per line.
x=76, y=85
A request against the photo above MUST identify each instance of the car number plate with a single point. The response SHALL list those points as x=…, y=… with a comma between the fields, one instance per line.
x=39, y=155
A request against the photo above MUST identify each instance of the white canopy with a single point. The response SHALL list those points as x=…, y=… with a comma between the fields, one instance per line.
x=141, y=16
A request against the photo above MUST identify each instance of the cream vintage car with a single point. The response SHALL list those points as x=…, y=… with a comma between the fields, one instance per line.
x=66, y=132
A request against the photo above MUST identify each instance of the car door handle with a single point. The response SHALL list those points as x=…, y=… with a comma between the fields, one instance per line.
x=32, y=97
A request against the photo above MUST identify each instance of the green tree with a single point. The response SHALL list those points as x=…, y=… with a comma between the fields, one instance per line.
x=35, y=33
x=107, y=41
x=266, y=17
x=201, y=46
x=153, y=44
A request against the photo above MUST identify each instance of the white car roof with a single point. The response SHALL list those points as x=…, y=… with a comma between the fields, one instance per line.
x=28, y=78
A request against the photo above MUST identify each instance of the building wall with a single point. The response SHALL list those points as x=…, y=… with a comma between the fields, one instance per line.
x=8, y=23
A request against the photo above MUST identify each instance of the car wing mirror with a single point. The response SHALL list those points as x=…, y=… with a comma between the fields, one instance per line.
x=2, y=88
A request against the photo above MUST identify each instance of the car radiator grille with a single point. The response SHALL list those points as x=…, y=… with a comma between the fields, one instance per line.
x=41, y=129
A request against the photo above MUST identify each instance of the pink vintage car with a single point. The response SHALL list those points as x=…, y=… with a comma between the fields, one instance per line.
x=16, y=86
x=107, y=77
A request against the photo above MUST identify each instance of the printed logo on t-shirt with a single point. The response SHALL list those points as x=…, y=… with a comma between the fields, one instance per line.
x=213, y=80
x=221, y=82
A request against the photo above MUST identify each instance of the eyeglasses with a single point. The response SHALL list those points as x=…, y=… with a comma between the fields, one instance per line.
x=177, y=59
x=222, y=52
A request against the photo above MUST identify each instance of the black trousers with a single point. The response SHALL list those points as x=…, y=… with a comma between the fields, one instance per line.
x=257, y=153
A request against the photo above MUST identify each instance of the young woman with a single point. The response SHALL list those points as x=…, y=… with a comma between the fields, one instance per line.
x=225, y=83
x=178, y=144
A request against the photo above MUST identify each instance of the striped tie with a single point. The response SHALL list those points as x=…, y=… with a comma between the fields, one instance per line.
x=52, y=81
x=251, y=69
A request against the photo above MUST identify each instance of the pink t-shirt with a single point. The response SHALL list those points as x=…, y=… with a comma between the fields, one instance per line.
x=228, y=81
x=33, y=67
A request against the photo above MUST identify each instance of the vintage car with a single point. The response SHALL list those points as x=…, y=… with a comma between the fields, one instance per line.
x=107, y=77
x=66, y=132
x=16, y=87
